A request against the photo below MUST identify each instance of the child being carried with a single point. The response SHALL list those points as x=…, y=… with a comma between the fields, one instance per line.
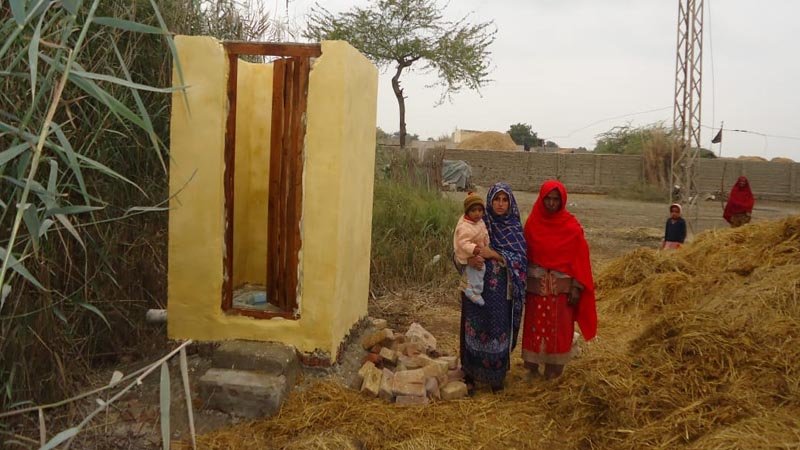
x=469, y=238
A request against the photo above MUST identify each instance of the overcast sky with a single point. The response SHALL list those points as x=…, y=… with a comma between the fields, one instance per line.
x=562, y=65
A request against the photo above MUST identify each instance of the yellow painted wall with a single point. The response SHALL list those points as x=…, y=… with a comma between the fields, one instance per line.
x=337, y=200
x=356, y=153
x=251, y=184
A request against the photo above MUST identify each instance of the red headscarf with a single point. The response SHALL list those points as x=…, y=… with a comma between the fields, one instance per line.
x=740, y=201
x=556, y=242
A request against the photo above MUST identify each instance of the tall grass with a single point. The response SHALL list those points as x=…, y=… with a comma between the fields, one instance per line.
x=88, y=254
x=412, y=235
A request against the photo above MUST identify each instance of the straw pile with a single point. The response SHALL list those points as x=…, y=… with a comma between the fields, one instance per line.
x=698, y=349
x=752, y=158
x=489, y=140
x=780, y=159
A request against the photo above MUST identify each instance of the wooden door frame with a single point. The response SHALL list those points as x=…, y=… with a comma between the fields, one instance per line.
x=290, y=77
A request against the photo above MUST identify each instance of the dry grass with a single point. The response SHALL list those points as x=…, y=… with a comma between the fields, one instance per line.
x=489, y=140
x=697, y=349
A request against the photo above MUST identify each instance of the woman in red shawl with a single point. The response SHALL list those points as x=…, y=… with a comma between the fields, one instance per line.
x=740, y=203
x=560, y=288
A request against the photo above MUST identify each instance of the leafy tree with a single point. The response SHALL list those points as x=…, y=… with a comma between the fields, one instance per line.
x=410, y=136
x=655, y=143
x=381, y=135
x=523, y=134
x=407, y=32
x=550, y=144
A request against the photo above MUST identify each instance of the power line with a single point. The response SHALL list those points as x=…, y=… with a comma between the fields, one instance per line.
x=597, y=122
x=776, y=136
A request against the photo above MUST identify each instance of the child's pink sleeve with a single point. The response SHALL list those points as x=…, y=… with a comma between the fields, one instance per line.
x=462, y=245
x=484, y=235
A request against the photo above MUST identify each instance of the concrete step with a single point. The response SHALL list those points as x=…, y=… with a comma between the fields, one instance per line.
x=243, y=393
x=265, y=357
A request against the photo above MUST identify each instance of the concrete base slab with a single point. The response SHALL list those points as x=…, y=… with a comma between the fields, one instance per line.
x=266, y=357
x=243, y=393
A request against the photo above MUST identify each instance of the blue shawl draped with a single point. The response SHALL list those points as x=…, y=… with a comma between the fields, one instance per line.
x=508, y=239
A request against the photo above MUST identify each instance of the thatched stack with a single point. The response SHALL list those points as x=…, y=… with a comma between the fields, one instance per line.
x=752, y=158
x=489, y=140
x=717, y=362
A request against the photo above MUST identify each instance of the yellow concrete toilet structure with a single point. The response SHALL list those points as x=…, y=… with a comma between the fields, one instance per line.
x=337, y=158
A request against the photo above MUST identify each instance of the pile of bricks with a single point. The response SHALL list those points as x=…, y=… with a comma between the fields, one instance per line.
x=407, y=368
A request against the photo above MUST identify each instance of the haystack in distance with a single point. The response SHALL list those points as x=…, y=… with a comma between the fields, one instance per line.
x=489, y=140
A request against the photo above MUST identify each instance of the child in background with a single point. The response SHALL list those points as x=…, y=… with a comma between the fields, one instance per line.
x=469, y=238
x=675, y=231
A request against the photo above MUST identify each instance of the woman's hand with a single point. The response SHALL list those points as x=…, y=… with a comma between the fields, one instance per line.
x=488, y=253
x=476, y=262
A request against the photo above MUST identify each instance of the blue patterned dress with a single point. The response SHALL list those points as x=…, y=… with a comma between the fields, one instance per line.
x=489, y=332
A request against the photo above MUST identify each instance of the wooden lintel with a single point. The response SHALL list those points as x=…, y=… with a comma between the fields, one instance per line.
x=273, y=49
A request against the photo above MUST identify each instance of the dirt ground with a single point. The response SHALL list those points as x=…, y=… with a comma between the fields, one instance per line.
x=613, y=227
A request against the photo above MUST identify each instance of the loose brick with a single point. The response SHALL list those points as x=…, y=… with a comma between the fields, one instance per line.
x=362, y=372
x=411, y=349
x=452, y=361
x=374, y=358
x=409, y=382
x=415, y=362
x=454, y=390
x=389, y=355
x=386, y=386
x=434, y=370
x=455, y=375
x=417, y=334
x=376, y=338
x=379, y=324
x=372, y=382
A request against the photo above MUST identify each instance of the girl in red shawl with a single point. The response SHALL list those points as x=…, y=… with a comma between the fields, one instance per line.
x=740, y=203
x=560, y=288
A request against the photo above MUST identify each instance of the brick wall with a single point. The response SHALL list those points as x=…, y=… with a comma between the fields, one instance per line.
x=586, y=173
x=597, y=174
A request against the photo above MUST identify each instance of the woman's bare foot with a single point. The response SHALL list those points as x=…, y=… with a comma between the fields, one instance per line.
x=553, y=371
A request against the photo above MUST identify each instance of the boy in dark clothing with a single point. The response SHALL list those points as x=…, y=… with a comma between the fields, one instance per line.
x=675, y=231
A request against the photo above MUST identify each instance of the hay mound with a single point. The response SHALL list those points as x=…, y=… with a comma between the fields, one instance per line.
x=752, y=158
x=489, y=140
x=698, y=348
x=782, y=160
x=718, y=354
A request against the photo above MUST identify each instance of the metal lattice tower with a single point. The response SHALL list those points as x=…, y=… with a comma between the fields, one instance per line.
x=688, y=89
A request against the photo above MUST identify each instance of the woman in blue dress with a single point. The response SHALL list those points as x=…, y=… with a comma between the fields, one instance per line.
x=489, y=332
